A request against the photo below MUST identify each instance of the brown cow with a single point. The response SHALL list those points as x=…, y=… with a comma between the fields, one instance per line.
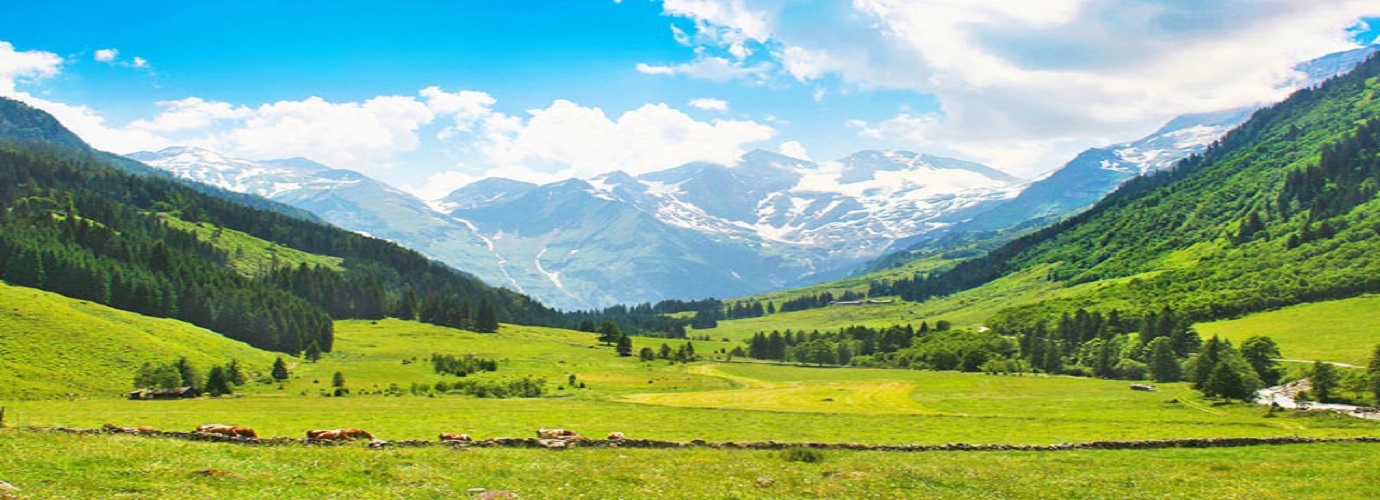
x=357, y=434
x=616, y=436
x=446, y=436
x=545, y=433
x=228, y=430
x=339, y=434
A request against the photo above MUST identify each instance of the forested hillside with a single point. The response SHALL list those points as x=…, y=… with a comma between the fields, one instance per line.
x=1280, y=211
x=74, y=223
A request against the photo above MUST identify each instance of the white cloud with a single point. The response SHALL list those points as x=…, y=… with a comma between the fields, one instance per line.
x=140, y=62
x=568, y=140
x=88, y=124
x=711, y=68
x=440, y=184
x=709, y=104
x=467, y=107
x=106, y=55
x=1045, y=73
x=31, y=65
x=794, y=149
x=732, y=15
x=192, y=113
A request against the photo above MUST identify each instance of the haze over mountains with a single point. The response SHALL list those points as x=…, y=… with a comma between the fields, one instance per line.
x=704, y=229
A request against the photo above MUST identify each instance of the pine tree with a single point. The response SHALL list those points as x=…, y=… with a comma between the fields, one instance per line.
x=313, y=353
x=1207, y=360
x=646, y=354
x=609, y=333
x=486, y=321
x=189, y=374
x=625, y=346
x=217, y=383
x=1324, y=379
x=1164, y=365
x=338, y=380
x=234, y=374
x=280, y=371
x=1231, y=377
x=1261, y=353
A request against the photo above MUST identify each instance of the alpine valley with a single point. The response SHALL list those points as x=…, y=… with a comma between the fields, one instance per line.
x=768, y=222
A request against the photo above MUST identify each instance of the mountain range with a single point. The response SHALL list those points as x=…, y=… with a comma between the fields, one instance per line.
x=697, y=230
x=703, y=229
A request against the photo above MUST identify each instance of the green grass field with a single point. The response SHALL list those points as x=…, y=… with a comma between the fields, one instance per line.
x=708, y=400
x=1340, y=330
x=46, y=465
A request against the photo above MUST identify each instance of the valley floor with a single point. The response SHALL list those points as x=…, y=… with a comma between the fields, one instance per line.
x=592, y=390
x=52, y=465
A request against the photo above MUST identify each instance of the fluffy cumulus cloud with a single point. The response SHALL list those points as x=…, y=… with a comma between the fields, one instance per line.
x=17, y=66
x=793, y=149
x=192, y=113
x=106, y=55
x=569, y=140
x=1037, y=73
x=363, y=135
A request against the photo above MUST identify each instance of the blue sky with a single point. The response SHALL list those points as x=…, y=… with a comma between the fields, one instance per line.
x=431, y=95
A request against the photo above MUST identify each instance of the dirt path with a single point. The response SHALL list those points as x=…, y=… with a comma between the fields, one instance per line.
x=1333, y=363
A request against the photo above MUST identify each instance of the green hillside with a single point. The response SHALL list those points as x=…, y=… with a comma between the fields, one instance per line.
x=1280, y=211
x=53, y=346
x=1342, y=331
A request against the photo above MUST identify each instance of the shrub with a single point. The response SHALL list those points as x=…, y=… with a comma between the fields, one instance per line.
x=807, y=455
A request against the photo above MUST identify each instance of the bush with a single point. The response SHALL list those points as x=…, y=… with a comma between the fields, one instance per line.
x=807, y=455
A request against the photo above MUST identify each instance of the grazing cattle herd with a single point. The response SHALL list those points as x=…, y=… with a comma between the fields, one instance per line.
x=547, y=438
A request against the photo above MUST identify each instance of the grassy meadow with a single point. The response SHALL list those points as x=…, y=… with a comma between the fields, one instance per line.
x=711, y=400
x=663, y=400
x=1343, y=331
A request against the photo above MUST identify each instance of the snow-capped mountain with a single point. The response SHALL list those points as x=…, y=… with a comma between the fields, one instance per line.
x=698, y=230
x=345, y=198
